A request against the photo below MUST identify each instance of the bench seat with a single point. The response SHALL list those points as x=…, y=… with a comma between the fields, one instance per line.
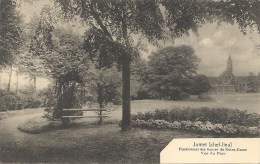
x=84, y=116
x=88, y=109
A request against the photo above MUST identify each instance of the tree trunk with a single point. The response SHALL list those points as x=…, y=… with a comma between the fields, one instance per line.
x=10, y=78
x=100, y=96
x=0, y=77
x=126, y=59
x=34, y=82
x=17, y=76
x=126, y=114
x=58, y=109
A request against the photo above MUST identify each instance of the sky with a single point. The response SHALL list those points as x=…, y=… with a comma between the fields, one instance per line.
x=213, y=44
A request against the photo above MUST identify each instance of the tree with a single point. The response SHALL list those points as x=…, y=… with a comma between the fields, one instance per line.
x=104, y=54
x=10, y=78
x=139, y=79
x=105, y=82
x=118, y=19
x=68, y=65
x=170, y=71
x=10, y=32
x=28, y=62
x=61, y=53
x=200, y=84
x=252, y=82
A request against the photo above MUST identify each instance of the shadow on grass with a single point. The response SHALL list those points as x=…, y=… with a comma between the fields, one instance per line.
x=95, y=144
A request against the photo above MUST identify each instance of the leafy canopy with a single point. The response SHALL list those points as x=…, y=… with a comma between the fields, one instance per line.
x=59, y=49
x=152, y=18
x=171, y=69
x=200, y=84
x=10, y=32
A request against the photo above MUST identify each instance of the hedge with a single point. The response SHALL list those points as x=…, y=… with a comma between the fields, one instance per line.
x=11, y=101
x=216, y=120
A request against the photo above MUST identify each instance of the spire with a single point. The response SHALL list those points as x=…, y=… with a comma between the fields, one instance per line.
x=229, y=64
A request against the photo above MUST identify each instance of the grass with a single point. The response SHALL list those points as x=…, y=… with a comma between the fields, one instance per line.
x=88, y=143
x=14, y=113
x=39, y=125
x=246, y=101
x=83, y=142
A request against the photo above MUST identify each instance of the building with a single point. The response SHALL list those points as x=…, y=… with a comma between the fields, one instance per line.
x=227, y=82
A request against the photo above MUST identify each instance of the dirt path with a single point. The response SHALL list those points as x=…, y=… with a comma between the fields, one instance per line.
x=11, y=137
x=8, y=127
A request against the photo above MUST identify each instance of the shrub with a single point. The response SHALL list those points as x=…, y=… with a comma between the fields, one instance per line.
x=230, y=128
x=149, y=123
x=175, y=125
x=214, y=115
x=204, y=97
x=218, y=128
x=48, y=97
x=117, y=100
x=138, y=123
x=9, y=101
x=139, y=115
x=242, y=129
x=160, y=115
x=209, y=126
x=160, y=124
x=30, y=98
x=219, y=121
x=23, y=99
x=186, y=124
x=253, y=131
x=199, y=126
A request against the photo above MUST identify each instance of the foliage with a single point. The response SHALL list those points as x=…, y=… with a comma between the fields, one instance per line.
x=206, y=127
x=105, y=82
x=48, y=97
x=252, y=83
x=26, y=98
x=200, y=84
x=170, y=71
x=213, y=115
x=27, y=61
x=117, y=20
x=102, y=51
x=139, y=79
x=183, y=15
x=62, y=55
x=10, y=32
x=9, y=101
x=204, y=97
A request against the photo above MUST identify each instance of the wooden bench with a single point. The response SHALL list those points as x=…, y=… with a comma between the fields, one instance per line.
x=66, y=117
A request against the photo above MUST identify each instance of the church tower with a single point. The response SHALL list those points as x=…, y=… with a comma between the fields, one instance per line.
x=226, y=81
x=229, y=65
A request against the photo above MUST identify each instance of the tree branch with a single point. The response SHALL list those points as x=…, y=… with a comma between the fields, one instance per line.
x=99, y=21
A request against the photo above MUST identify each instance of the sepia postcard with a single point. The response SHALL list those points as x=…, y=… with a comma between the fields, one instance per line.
x=130, y=81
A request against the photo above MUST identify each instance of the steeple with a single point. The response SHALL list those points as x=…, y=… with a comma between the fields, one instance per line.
x=229, y=65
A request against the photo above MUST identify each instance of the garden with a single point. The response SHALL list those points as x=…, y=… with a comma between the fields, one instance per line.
x=92, y=53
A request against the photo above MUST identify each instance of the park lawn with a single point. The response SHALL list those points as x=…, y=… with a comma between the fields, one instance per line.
x=241, y=101
x=15, y=113
x=88, y=143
